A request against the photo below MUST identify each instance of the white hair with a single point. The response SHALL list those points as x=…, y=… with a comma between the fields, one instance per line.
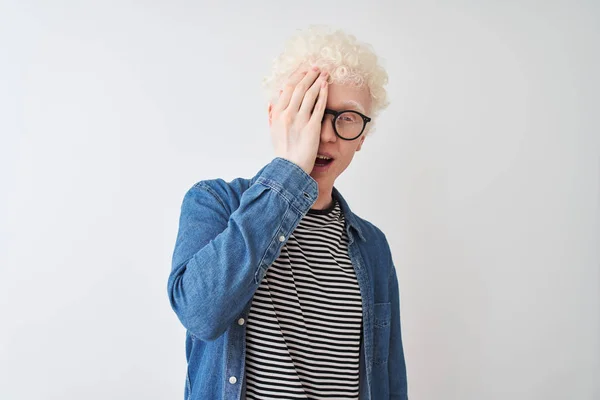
x=347, y=60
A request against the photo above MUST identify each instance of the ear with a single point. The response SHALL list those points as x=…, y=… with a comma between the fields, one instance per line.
x=270, y=111
x=362, y=139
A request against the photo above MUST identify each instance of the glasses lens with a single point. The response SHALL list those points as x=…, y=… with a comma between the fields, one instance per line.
x=349, y=124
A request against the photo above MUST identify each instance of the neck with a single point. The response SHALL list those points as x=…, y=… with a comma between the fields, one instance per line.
x=324, y=200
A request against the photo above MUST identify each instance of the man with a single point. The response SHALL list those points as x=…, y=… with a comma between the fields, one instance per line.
x=286, y=293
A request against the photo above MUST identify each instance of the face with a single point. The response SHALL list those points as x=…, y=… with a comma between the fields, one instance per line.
x=340, y=97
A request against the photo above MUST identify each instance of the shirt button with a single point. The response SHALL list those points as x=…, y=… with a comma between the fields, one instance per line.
x=281, y=238
x=232, y=380
x=241, y=321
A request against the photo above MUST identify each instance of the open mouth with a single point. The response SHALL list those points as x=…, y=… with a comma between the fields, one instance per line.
x=322, y=162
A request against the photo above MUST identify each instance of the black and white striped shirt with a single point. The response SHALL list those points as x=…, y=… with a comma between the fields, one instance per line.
x=304, y=326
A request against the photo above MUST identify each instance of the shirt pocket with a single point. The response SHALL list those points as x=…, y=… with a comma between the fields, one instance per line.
x=381, y=332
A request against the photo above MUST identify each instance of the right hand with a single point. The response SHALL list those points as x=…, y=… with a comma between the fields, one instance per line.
x=295, y=125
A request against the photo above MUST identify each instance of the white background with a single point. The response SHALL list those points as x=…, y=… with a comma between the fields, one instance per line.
x=484, y=173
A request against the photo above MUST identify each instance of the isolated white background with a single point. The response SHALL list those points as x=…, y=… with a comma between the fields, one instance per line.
x=484, y=173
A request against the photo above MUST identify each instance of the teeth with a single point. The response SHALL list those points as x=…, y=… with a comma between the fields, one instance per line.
x=323, y=157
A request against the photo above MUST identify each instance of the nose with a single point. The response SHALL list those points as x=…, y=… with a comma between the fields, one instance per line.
x=327, y=132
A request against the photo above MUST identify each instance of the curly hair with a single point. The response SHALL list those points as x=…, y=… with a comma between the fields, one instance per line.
x=347, y=60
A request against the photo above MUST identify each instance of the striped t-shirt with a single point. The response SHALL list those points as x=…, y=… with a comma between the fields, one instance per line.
x=304, y=326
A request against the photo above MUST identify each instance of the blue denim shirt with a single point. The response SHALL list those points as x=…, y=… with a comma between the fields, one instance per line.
x=229, y=234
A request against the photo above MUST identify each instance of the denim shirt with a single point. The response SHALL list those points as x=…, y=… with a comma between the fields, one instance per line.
x=229, y=234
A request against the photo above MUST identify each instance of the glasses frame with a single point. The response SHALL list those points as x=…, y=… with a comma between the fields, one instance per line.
x=336, y=114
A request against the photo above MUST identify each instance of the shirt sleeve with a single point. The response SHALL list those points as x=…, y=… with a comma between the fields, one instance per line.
x=220, y=257
x=396, y=362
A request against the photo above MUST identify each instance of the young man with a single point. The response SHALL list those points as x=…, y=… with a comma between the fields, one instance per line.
x=285, y=292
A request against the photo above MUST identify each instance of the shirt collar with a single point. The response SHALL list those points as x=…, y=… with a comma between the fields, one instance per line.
x=348, y=214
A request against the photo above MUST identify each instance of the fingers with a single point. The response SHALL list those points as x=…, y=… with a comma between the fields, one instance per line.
x=308, y=103
x=286, y=94
x=301, y=89
x=319, y=110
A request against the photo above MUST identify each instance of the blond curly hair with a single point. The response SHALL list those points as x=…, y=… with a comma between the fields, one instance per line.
x=347, y=60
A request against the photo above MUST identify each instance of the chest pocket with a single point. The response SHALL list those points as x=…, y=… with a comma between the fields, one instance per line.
x=381, y=332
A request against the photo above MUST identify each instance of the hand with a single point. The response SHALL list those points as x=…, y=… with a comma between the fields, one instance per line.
x=296, y=118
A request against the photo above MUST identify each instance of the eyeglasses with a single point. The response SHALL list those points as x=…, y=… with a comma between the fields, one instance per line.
x=347, y=124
